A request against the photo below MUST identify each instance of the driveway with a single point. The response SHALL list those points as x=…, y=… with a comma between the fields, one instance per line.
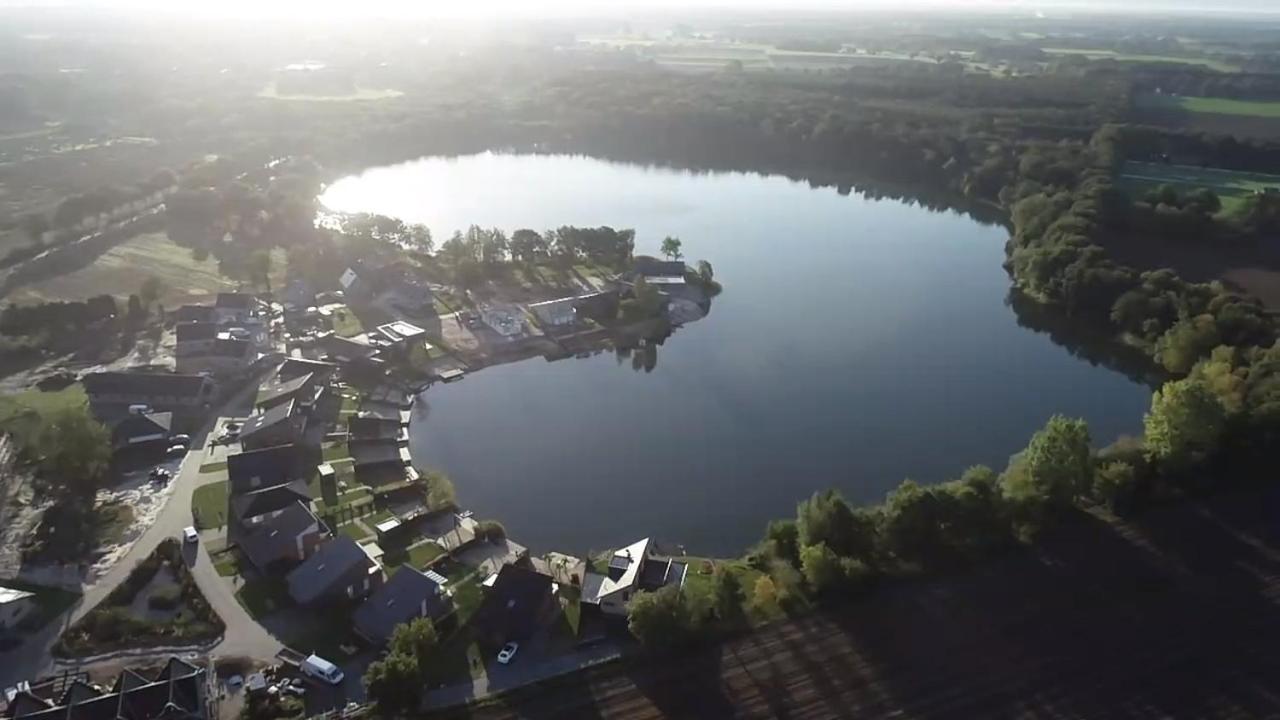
x=34, y=657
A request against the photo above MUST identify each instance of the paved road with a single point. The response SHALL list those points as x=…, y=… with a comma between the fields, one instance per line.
x=243, y=637
x=1177, y=615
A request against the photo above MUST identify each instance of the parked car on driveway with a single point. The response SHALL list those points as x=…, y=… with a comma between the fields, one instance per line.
x=508, y=653
x=184, y=440
x=317, y=667
x=176, y=451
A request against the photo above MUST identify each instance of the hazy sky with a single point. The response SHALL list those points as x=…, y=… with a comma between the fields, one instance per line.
x=564, y=8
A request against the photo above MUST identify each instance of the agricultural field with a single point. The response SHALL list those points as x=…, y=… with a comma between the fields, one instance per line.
x=1213, y=105
x=121, y=270
x=1233, y=187
x=1100, y=54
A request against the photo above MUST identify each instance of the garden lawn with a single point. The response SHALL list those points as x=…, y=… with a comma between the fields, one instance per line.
x=209, y=505
x=24, y=410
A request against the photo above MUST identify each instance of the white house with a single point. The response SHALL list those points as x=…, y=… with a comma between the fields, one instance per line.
x=15, y=606
x=631, y=570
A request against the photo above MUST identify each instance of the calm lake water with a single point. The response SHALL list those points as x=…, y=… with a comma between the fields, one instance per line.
x=857, y=343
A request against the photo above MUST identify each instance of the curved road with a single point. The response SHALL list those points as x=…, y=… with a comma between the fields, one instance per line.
x=243, y=637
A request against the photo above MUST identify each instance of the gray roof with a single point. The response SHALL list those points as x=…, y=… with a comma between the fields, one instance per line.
x=176, y=692
x=275, y=536
x=271, y=465
x=273, y=392
x=335, y=559
x=293, y=367
x=399, y=601
x=372, y=427
x=140, y=425
x=234, y=301
x=268, y=499
x=261, y=421
x=192, y=331
x=144, y=385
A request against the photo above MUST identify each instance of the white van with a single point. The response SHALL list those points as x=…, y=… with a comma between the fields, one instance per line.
x=321, y=669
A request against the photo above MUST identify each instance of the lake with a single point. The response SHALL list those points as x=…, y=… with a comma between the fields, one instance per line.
x=857, y=343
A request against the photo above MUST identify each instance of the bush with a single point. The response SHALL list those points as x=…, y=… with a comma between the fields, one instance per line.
x=490, y=531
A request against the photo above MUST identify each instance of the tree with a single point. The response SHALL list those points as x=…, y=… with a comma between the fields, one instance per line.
x=417, y=639
x=1187, y=342
x=728, y=596
x=440, y=490
x=764, y=597
x=260, y=269
x=671, y=248
x=150, y=290
x=1185, y=423
x=137, y=311
x=75, y=450
x=526, y=245
x=394, y=684
x=821, y=567
x=1115, y=484
x=419, y=237
x=782, y=541
x=705, y=272
x=911, y=523
x=827, y=519
x=661, y=619
x=1056, y=467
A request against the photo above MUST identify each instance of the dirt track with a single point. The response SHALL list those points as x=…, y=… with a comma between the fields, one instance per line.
x=1172, y=616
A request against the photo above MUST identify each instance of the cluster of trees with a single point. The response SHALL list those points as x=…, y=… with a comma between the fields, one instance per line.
x=395, y=682
x=477, y=253
x=57, y=316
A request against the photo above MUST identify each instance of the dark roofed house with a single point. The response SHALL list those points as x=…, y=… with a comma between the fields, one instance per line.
x=265, y=467
x=109, y=392
x=234, y=307
x=194, y=314
x=256, y=503
x=293, y=367
x=343, y=349
x=280, y=425
x=271, y=394
x=222, y=356
x=651, y=267
x=180, y=691
x=519, y=601
x=374, y=427
x=141, y=429
x=340, y=569
x=282, y=536
x=409, y=594
x=190, y=332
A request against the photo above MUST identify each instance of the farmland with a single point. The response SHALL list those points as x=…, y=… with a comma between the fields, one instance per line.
x=1233, y=187
x=1099, y=54
x=121, y=270
x=1213, y=105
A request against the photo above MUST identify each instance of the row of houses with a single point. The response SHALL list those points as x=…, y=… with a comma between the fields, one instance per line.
x=177, y=691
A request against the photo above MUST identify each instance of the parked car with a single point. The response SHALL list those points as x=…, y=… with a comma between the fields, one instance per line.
x=190, y=535
x=296, y=687
x=160, y=476
x=181, y=440
x=176, y=451
x=317, y=667
x=508, y=653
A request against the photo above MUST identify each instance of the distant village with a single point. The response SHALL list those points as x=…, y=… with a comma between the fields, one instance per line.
x=308, y=500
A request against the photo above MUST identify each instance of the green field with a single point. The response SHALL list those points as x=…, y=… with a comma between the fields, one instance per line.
x=1099, y=54
x=1212, y=105
x=1231, y=186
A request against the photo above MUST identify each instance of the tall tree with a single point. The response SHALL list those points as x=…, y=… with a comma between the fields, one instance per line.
x=1185, y=423
x=75, y=450
x=661, y=619
x=1056, y=467
x=671, y=248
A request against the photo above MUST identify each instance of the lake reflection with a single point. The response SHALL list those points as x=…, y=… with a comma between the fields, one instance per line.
x=857, y=343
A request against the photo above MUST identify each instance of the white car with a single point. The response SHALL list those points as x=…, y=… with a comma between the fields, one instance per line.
x=508, y=653
x=321, y=669
x=190, y=535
